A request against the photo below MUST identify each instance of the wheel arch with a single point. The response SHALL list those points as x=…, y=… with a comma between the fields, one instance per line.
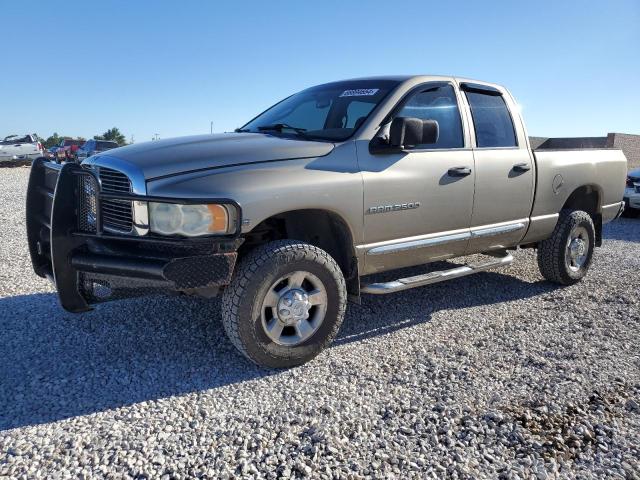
x=322, y=228
x=588, y=198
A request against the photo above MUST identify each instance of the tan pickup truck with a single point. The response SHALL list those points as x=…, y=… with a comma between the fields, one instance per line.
x=286, y=216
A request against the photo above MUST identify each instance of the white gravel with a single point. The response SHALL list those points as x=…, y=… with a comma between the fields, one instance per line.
x=498, y=375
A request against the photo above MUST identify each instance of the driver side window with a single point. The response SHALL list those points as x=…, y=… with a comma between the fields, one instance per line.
x=437, y=103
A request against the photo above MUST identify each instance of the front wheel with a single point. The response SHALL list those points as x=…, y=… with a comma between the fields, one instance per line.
x=565, y=257
x=285, y=303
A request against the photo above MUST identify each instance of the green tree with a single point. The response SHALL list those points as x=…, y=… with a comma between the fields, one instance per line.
x=112, y=134
x=52, y=140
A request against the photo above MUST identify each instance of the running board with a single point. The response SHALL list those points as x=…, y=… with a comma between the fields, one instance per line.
x=503, y=259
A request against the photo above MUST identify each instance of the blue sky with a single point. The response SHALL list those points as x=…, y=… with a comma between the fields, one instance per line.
x=79, y=68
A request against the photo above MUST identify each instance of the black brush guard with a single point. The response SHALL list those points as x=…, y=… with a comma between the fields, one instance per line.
x=89, y=265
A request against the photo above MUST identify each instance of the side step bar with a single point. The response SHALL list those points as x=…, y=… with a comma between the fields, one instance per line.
x=503, y=258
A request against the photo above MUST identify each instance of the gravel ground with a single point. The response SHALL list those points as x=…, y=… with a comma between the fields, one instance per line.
x=498, y=375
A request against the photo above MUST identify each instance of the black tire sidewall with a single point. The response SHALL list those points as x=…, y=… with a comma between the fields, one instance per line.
x=578, y=219
x=258, y=345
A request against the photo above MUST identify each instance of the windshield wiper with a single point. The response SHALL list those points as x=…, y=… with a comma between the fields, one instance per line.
x=242, y=130
x=279, y=127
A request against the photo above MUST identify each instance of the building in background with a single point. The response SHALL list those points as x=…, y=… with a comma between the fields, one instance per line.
x=628, y=143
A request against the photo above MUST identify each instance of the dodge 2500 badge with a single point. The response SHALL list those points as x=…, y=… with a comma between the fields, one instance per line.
x=286, y=215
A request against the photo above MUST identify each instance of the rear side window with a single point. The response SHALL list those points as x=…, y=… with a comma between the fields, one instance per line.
x=492, y=121
x=437, y=103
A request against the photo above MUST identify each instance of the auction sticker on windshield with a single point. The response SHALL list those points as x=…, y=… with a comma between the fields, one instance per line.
x=360, y=92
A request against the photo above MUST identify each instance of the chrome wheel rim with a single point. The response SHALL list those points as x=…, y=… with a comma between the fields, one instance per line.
x=294, y=308
x=577, y=248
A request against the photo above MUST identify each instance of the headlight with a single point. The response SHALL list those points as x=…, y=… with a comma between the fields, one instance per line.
x=188, y=220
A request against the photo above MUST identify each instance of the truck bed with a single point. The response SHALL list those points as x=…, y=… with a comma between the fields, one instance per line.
x=575, y=143
x=560, y=172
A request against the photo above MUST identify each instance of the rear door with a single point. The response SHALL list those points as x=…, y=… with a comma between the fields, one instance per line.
x=504, y=181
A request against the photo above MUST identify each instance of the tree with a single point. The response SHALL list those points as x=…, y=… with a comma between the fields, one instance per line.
x=112, y=134
x=55, y=139
x=52, y=140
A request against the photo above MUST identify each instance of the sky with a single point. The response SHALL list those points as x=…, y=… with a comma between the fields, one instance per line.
x=79, y=68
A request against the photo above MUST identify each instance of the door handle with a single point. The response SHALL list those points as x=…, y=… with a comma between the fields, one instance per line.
x=522, y=167
x=459, y=171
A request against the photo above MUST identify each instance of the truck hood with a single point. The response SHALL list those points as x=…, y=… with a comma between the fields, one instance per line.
x=185, y=154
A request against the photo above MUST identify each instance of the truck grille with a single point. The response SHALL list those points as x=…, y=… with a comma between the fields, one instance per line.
x=87, y=217
x=117, y=215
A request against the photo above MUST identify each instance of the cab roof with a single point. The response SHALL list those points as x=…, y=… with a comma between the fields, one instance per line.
x=422, y=78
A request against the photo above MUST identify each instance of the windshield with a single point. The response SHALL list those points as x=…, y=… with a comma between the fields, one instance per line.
x=329, y=112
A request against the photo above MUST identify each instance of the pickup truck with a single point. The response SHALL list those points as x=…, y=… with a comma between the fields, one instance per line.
x=287, y=217
x=632, y=194
x=93, y=147
x=25, y=147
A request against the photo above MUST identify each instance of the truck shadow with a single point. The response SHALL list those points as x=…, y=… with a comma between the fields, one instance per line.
x=625, y=229
x=57, y=365
x=379, y=314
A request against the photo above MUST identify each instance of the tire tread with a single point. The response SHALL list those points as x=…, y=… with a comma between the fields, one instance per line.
x=283, y=251
x=551, y=250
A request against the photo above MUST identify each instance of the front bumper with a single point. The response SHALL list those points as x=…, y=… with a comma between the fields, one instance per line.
x=89, y=265
x=632, y=201
x=632, y=196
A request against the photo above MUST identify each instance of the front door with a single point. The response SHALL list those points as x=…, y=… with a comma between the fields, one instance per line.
x=418, y=204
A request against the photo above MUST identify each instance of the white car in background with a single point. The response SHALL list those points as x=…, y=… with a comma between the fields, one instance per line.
x=632, y=194
x=24, y=147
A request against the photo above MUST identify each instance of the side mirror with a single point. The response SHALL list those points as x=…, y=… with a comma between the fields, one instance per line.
x=406, y=132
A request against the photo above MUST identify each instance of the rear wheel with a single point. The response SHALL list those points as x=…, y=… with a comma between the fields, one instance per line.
x=285, y=303
x=565, y=257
